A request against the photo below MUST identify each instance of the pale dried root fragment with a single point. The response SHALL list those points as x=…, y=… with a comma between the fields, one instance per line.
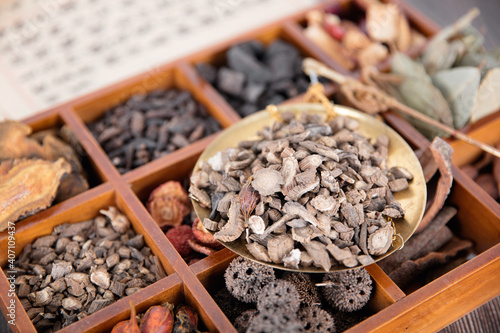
x=200, y=196
x=289, y=169
x=305, y=259
x=119, y=222
x=380, y=241
x=320, y=149
x=234, y=227
x=324, y=203
x=28, y=186
x=311, y=162
x=258, y=251
x=278, y=247
x=319, y=255
x=267, y=181
x=209, y=224
x=400, y=172
x=339, y=254
x=256, y=223
x=399, y=184
x=292, y=259
x=302, y=235
x=296, y=209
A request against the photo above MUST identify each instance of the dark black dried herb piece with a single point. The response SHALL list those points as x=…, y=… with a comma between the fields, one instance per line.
x=279, y=295
x=349, y=290
x=245, y=279
x=316, y=320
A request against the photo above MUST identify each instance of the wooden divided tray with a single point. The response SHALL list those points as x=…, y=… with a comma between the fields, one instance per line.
x=428, y=308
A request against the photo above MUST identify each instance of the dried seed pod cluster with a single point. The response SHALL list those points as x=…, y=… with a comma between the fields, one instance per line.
x=81, y=268
x=169, y=206
x=305, y=193
x=290, y=302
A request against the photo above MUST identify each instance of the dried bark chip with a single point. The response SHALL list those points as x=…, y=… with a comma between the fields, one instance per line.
x=258, y=251
x=278, y=247
x=245, y=279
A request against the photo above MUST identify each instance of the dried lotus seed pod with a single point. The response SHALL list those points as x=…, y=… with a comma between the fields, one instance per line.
x=245, y=279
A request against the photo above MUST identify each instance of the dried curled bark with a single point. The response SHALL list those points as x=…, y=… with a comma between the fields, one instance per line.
x=441, y=152
x=28, y=186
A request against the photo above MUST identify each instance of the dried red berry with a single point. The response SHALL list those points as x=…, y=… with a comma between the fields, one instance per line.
x=158, y=319
x=169, y=204
x=201, y=248
x=187, y=310
x=179, y=237
x=334, y=30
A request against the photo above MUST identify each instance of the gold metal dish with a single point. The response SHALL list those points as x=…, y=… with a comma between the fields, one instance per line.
x=413, y=199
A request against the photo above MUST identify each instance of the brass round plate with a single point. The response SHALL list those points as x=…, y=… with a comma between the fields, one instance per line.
x=413, y=199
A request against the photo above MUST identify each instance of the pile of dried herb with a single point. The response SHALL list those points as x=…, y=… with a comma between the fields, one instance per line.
x=356, y=40
x=453, y=81
x=81, y=268
x=305, y=193
x=263, y=300
x=37, y=170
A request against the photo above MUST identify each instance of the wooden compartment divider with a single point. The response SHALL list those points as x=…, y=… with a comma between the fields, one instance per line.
x=430, y=307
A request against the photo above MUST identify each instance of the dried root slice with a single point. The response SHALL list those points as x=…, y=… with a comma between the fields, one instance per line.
x=267, y=181
x=296, y=209
x=256, y=223
x=398, y=185
x=28, y=186
x=400, y=172
x=320, y=149
x=380, y=241
x=292, y=259
x=234, y=227
x=258, y=251
x=289, y=169
x=316, y=320
x=278, y=247
x=209, y=224
x=319, y=255
x=279, y=295
x=311, y=162
x=324, y=204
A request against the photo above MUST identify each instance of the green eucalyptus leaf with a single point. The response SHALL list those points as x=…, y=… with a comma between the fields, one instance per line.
x=459, y=87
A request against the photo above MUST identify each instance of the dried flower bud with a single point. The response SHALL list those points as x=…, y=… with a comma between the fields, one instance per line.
x=249, y=198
